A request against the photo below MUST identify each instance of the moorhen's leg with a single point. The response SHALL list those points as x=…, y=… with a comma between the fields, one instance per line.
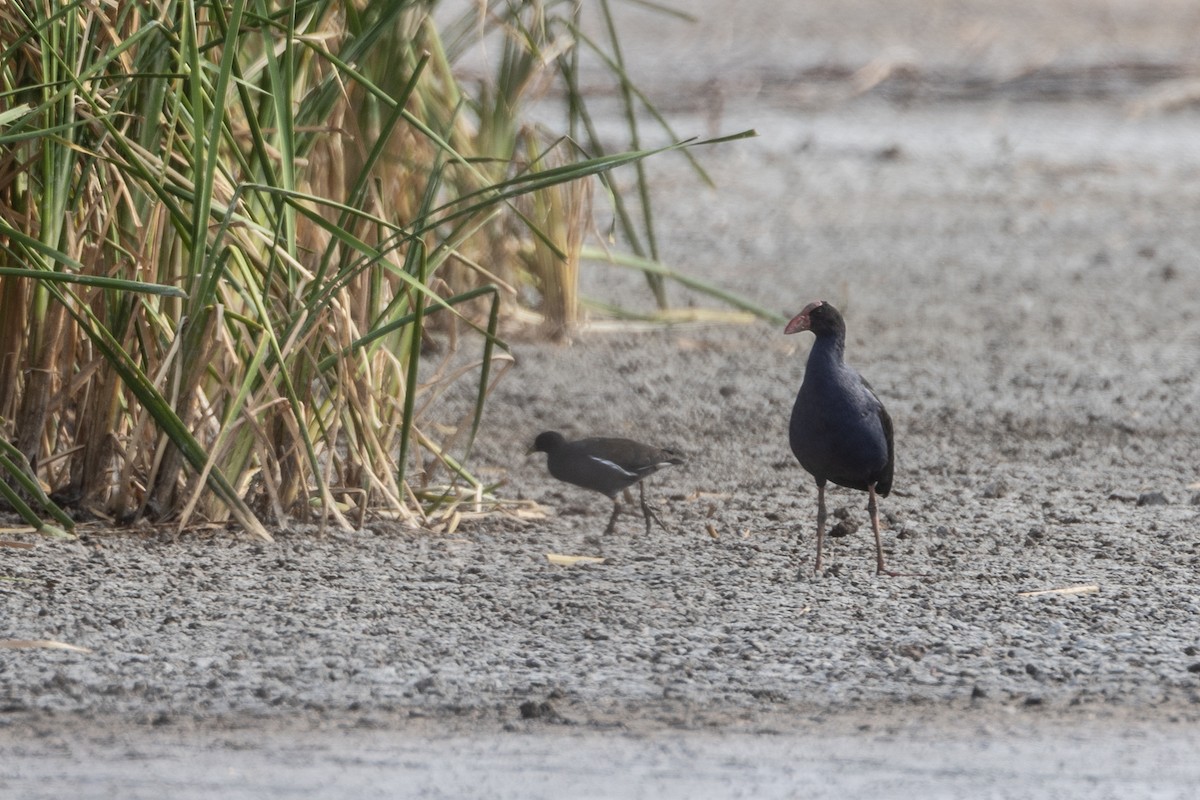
x=612, y=521
x=648, y=512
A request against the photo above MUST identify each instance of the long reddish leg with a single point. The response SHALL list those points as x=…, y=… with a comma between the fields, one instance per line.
x=820, y=524
x=873, y=510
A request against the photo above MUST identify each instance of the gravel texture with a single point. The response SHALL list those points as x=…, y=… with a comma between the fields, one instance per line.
x=993, y=498
x=1020, y=279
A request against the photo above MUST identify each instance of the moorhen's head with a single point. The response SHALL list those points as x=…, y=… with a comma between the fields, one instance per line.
x=818, y=317
x=547, y=441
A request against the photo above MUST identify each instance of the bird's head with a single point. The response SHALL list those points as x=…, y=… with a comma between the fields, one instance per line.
x=547, y=441
x=818, y=317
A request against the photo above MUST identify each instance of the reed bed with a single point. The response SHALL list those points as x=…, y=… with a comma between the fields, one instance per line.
x=230, y=231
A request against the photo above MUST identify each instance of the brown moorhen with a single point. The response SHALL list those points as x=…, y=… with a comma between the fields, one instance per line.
x=606, y=465
x=839, y=429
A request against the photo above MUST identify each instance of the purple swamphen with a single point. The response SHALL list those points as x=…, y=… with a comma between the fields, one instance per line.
x=839, y=429
x=606, y=465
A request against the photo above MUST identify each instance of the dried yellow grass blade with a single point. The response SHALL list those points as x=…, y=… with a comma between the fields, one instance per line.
x=20, y=545
x=41, y=644
x=529, y=513
x=570, y=561
x=1085, y=588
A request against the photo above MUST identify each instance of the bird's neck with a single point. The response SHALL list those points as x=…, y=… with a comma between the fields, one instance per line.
x=828, y=350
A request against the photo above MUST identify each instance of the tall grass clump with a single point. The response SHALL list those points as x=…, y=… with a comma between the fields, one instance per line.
x=228, y=231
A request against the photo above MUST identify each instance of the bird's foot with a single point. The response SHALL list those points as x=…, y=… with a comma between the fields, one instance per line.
x=650, y=515
x=648, y=512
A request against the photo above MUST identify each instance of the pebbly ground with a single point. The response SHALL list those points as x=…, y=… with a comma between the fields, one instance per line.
x=1019, y=275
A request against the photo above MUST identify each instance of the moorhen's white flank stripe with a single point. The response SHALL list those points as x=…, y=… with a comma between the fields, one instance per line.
x=617, y=467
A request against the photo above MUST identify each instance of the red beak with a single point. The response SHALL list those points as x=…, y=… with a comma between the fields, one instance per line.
x=800, y=322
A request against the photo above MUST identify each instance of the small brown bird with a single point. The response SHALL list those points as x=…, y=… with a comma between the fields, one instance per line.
x=606, y=465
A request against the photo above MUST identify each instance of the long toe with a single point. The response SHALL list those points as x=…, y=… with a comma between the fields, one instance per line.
x=649, y=512
x=652, y=515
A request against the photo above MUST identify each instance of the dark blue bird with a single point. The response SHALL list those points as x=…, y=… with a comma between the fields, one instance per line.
x=839, y=430
x=606, y=465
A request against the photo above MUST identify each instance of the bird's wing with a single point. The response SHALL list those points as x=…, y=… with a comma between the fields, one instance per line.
x=884, y=484
x=614, y=466
x=634, y=458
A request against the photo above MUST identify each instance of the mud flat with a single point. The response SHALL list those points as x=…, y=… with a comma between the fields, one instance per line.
x=1019, y=275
